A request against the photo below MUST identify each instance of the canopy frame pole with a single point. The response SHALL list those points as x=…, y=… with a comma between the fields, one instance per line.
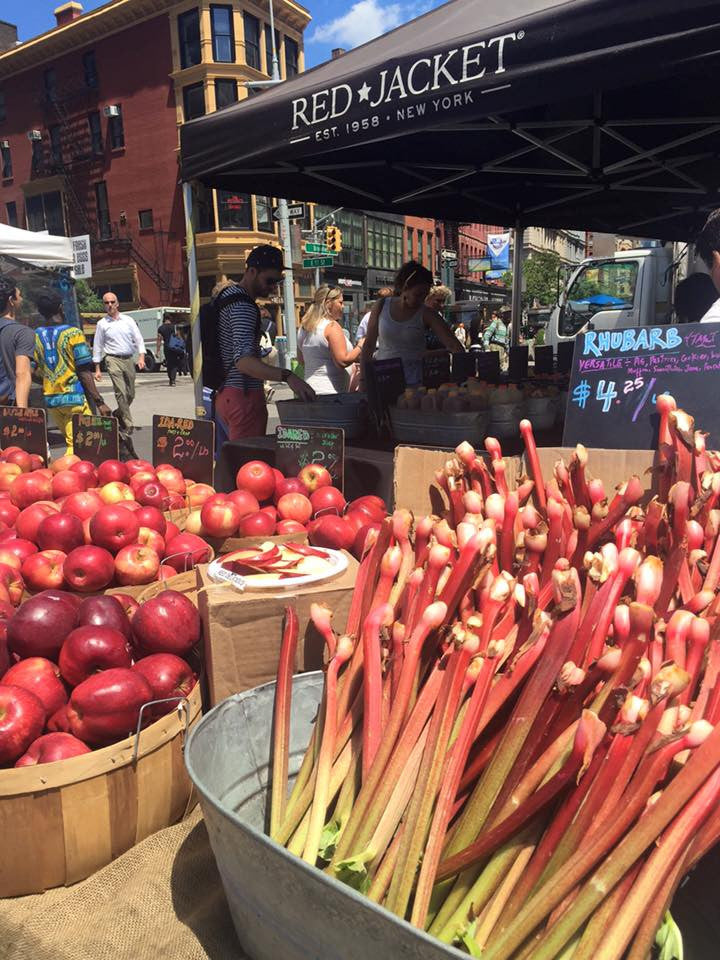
x=201, y=410
x=517, y=272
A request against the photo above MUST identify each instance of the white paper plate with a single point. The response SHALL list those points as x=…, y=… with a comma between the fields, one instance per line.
x=337, y=563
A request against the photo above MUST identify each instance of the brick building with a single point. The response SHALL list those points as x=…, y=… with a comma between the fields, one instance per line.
x=89, y=118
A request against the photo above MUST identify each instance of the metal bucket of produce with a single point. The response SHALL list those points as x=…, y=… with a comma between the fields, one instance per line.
x=505, y=419
x=438, y=428
x=345, y=410
x=541, y=412
x=281, y=906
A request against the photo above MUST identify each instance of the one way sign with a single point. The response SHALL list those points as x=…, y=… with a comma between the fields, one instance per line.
x=296, y=211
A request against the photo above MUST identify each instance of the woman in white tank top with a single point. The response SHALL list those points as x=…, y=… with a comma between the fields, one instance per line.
x=323, y=347
x=397, y=324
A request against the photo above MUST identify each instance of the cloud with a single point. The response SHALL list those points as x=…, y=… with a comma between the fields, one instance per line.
x=365, y=20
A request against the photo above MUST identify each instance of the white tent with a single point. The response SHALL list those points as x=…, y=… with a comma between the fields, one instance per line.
x=40, y=249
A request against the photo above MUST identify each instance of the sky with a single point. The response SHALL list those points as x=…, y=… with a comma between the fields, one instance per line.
x=335, y=23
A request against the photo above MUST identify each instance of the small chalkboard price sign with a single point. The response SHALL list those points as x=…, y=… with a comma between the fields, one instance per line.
x=488, y=366
x=435, y=369
x=95, y=438
x=186, y=444
x=565, y=356
x=298, y=446
x=463, y=366
x=617, y=376
x=544, y=362
x=518, y=363
x=385, y=381
x=24, y=427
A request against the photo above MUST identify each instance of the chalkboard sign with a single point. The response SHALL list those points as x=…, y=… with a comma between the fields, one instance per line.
x=565, y=356
x=435, y=369
x=544, y=362
x=385, y=381
x=186, y=444
x=95, y=438
x=618, y=374
x=518, y=363
x=488, y=366
x=463, y=366
x=298, y=446
x=24, y=427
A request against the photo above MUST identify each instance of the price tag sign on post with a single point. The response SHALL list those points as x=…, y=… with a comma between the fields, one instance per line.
x=544, y=362
x=385, y=382
x=298, y=446
x=24, y=427
x=186, y=444
x=435, y=369
x=464, y=365
x=95, y=438
x=488, y=366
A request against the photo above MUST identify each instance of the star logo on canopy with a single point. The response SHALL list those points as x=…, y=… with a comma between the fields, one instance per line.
x=364, y=92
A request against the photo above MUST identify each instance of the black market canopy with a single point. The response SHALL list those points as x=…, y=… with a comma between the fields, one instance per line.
x=599, y=114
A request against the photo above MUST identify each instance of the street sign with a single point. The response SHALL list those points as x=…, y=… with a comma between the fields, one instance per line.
x=296, y=211
x=317, y=248
x=449, y=256
x=318, y=262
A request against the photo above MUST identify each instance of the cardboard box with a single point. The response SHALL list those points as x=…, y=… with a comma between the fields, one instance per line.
x=243, y=631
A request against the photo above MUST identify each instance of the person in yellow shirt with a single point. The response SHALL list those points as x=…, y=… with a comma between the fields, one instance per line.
x=64, y=362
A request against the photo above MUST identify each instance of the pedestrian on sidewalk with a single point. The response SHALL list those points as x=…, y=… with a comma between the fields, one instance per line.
x=173, y=348
x=17, y=347
x=64, y=363
x=118, y=339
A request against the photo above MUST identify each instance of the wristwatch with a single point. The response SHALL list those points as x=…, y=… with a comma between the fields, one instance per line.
x=285, y=375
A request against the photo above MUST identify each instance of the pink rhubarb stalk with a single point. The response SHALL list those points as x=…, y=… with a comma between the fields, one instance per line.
x=281, y=719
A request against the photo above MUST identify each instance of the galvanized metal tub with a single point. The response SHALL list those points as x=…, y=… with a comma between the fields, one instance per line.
x=281, y=907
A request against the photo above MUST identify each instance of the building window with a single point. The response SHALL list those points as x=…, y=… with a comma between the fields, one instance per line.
x=3, y=113
x=90, y=69
x=96, y=140
x=385, y=244
x=116, y=130
x=38, y=156
x=268, y=50
x=123, y=291
x=226, y=93
x=206, y=285
x=103, y=211
x=410, y=243
x=203, y=208
x=6, y=159
x=145, y=218
x=194, y=101
x=251, y=26
x=50, y=84
x=263, y=209
x=56, y=144
x=11, y=208
x=44, y=211
x=189, y=35
x=234, y=210
x=223, y=38
x=291, y=58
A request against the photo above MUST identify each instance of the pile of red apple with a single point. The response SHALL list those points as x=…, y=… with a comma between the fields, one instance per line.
x=267, y=503
x=75, y=672
x=75, y=526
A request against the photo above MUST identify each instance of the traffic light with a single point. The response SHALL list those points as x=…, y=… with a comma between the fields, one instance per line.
x=333, y=239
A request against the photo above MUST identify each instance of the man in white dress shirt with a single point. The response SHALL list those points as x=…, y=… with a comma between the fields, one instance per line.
x=118, y=339
x=708, y=247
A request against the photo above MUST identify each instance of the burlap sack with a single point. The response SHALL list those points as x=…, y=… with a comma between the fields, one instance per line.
x=162, y=899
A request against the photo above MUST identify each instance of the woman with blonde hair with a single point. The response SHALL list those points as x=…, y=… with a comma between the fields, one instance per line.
x=323, y=347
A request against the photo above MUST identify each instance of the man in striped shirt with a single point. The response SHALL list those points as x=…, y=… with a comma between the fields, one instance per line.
x=240, y=403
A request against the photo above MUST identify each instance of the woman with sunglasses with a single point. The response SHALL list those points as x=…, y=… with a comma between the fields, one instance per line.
x=323, y=346
x=398, y=324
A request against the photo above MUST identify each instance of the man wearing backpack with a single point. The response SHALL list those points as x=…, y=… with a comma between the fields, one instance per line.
x=173, y=348
x=17, y=346
x=231, y=332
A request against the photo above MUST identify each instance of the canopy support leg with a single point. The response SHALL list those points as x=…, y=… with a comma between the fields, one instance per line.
x=517, y=274
x=201, y=408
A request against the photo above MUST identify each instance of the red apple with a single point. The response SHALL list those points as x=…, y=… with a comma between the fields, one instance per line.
x=106, y=707
x=111, y=471
x=89, y=568
x=60, y=531
x=15, y=552
x=90, y=649
x=147, y=537
x=64, y=462
x=22, y=718
x=152, y=517
x=104, y=611
x=44, y=570
x=194, y=524
x=289, y=526
x=36, y=461
x=327, y=500
x=139, y=466
x=8, y=473
x=83, y=505
x=295, y=506
x=4, y=652
x=136, y=564
x=175, y=501
x=374, y=507
x=113, y=527
x=279, y=475
x=185, y=550
x=140, y=478
x=331, y=532
x=10, y=533
x=244, y=501
x=171, y=531
x=313, y=476
x=128, y=603
x=220, y=516
x=21, y=458
x=31, y=517
x=152, y=494
x=115, y=492
x=12, y=587
x=167, y=623
x=59, y=722
x=86, y=470
x=288, y=485
x=131, y=505
x=169, y=677
x=8, y=512
x=29, y=488
x=52, y=747
x=166, y=572
x=198, y=493
x=171, y=478
x=258, y=478
x=271, y=510
x=66, y=483
x=41, y=677
x=258, y=524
